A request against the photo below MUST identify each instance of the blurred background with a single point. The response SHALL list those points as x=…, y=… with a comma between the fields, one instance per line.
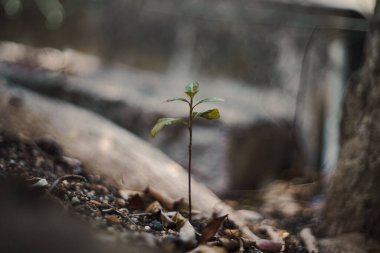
x=280, y=65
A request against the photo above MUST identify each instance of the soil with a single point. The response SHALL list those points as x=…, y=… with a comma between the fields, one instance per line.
x=42, y=166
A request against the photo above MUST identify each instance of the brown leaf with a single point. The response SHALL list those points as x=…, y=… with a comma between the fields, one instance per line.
x=154, y=207
x=166, y=201
x=113, y=219
x=179, y=219
x=127, y=194
x=95, y=203
x=211, y=228
x=136, y=202
x=166, y=221
x=186, y=230
x=232, y=232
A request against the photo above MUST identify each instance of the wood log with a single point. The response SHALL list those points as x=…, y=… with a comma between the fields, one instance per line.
x=104, y=148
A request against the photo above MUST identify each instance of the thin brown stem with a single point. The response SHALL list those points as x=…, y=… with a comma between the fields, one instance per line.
x=190, y=147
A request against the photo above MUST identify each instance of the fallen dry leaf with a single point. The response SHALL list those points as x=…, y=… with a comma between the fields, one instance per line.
x=113, y=219
x=166, y=201
x=136, y=202
x=127, y=194
x=154, y=207
x=186, y=230
x=166, y=221
x=232, y=232
x=95, y=203
x=211, y=228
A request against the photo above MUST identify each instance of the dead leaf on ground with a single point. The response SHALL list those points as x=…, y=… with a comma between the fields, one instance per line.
x=136, y=202
x=166, y=221
x=211, y=228
x=167, y=202
x=232, y=232
x=127, y=194
x=186, y=230
x=154, y=207
x=113, y=219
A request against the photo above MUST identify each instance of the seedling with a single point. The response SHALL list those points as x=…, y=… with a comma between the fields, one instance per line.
x=191, y=90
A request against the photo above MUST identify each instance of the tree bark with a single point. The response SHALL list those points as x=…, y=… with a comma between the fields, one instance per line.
x=353, y=197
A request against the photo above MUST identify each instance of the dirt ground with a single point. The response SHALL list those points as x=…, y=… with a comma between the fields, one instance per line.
x=54, y=204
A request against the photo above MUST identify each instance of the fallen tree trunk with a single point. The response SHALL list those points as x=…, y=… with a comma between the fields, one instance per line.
x=104, y=148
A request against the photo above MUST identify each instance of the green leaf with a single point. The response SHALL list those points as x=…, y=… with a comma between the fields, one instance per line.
x=191, y=89
x=176, y=99
x=209, y=114
x=165, y=122
x=210, y=99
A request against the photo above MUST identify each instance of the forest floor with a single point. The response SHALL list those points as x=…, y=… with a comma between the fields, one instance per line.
x=147, y=217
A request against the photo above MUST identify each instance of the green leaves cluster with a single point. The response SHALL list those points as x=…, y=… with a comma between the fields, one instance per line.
x=191, y=90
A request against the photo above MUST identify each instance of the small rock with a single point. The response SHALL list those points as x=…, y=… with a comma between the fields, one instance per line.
x=124, y=211
x=71, y=162
x=91, y=194
x=101, y=189
x=75, y=200
x=120, y=202
x=156, y=225
x=42, y=183
x=132, y=227
x=147, y=228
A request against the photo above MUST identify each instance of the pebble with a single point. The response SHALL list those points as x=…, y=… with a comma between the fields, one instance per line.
x=75, y=200
x=41, y=183
x=124, y=211
x=91, y=194
x=156, y=225
x=101, y=189
x=120, y=202
x=147, y=228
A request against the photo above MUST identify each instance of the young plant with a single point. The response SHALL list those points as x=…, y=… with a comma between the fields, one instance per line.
x=191, y=90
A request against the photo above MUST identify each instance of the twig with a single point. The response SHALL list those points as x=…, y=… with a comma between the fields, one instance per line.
x=140, y=214
x=59, y=180
x=124, y=216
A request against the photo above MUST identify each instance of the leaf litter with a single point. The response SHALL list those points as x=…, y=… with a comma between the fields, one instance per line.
x=42, y=164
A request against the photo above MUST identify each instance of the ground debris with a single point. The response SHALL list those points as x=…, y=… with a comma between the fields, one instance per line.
x=152, y=214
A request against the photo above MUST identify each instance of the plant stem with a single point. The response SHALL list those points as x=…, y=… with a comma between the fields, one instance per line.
x=190, y=147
